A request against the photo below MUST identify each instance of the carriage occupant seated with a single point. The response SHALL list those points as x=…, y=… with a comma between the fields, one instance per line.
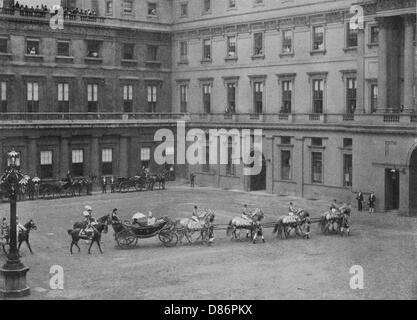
x=151, y=219
x=139, y=219
x=114, y=216
x=246, y=214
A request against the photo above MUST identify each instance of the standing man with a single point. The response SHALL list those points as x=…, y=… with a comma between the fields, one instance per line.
x=192, y=180
x=371, y=202
x=112, y=184
x=103, y=184
x=359, y=197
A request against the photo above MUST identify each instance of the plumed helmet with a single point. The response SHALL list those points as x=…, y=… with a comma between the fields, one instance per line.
x=88, y=208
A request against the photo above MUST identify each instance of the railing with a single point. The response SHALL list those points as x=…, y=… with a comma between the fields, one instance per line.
x=314, y=116
x=391, y=118
x=348, y=117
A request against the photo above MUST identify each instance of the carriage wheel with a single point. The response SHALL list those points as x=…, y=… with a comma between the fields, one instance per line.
x=126, y=239
x=124, y=187
x=168, y=239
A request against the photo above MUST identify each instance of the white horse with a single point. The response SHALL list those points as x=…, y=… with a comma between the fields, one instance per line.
x=252, y=225
x=194, y=230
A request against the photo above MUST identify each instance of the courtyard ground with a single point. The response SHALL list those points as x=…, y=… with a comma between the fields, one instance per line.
x=384, y=244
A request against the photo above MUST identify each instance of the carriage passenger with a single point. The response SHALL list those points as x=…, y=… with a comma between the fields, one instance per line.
x=151, y=219
x=114, y=216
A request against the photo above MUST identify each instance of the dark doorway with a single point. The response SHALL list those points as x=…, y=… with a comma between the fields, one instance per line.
x=392, y=189
x=413, y=184
x=258, y=182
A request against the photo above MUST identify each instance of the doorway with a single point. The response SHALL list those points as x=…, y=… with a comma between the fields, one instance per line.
x=258, y=182
x=392, y=189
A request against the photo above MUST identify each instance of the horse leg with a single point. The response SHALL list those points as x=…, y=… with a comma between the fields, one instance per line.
x=99, y=246
x=89, y=248
x=76, y=244
x=72, y=243
x=28, y=244
x=255, y=236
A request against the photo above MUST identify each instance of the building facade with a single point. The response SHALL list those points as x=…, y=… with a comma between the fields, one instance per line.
x=337, y=105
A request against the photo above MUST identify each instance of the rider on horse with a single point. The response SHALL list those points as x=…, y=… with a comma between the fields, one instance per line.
x=19, y=227
x=333, y=207
x=114, y=216
x=91, y=222
x=195, y=216
x=246, y=214
x=292, y=210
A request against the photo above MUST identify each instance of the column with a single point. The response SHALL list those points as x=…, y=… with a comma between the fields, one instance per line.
x=408, y=63
x=94, y=157
x=269, y=154
x=32, y=157
x=382, y=65
x=360, y=73
x=123, y=157
x=64, y=157
x=298, y=165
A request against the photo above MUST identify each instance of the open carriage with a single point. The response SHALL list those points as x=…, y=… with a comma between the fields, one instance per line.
x=127, y=234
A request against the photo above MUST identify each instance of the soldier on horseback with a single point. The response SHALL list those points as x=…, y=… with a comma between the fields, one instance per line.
x=195, y=215
x=19, y=227
x=292, y=210
x=246, y=214
x=91, y=222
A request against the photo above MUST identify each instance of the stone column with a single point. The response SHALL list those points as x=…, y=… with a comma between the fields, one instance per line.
x=298, y=165
x=64, y=157
x=408, y=63
x=269, y=154
x=123, y=157
x=94, y=157
x=360, y=73
x=382, y=65
x=32, y=157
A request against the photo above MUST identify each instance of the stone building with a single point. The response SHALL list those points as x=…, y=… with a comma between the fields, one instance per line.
x=337, y=105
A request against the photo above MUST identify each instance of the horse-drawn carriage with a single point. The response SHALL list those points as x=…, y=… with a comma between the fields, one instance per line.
x=142, y=181
x=127, y=234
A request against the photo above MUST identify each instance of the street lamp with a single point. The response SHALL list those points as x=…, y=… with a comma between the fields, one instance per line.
x=13, y=271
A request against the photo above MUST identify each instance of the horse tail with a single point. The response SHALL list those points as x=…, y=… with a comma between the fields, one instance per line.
x=276, y=226
x=229, y=228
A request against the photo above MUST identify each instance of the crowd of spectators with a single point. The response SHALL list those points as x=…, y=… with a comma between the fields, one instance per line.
x=41, y=10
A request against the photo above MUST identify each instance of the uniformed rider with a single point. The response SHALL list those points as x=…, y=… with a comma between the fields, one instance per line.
x=246, y=213
x=195, y=215
x=292, y=209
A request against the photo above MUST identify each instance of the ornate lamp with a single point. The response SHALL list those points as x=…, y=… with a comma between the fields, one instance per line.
x=13, y=272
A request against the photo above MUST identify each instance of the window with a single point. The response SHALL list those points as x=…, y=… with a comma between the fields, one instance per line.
x=231, y=97
x=258, y=44
x=3, y=96
x=109, y=7
x=374, y=34
x=287, y=41
x=318, y=95
x=63, y=49
x=285, y=140
x=352, y=37
x=128, y=51
x=183, y=98
x=318, y=38
x=63, y=97
x=351, y=95
x=152, y=9
x=46, y=165
x=231, y=47
x=128, y=6
x=92, y=97
x=93, y=48
x=184, y=9
x=18, y=161
x=32, y=47
x=145, y=157
x=3, y=45
x=316, y=142
x=374, y=97
x=77, y=165
x=207, y=49
x=316, y=167
x=206, y=6
x=258, y=89
x=128, y=98
x=152, y=53
x=32, y=96
x=347, y=170
x=286, y=96
x=285, y=164
x=151, y=98
x=230, y=167
x=347, y=143
x=183, y=51
x=232, y=4
x=258, y=2
x=107, y=161
x=207, y=98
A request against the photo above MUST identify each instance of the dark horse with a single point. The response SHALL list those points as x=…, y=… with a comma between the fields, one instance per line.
x=98, y=229
x=83, y=224
x=24, y=235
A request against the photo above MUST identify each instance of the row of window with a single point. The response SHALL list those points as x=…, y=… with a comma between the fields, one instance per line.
x=287, y=46
x=64, y=97
x=286, y=92
x=207, y=6
x=94, y=49
x=46, y=162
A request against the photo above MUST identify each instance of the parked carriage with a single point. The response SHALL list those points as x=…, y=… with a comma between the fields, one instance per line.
x=127, y=234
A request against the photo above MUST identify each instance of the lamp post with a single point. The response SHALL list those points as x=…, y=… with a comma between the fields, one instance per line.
x=13, y=272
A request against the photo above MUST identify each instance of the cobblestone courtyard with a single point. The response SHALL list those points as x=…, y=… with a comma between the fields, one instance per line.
x=384, y=244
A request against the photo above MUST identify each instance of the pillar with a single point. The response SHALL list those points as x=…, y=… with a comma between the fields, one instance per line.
x=123, y=156
x=32, y=164
x=64, y=157
x=269, y=155
x=360, y=73
x=95, y=157
x=298, y=165
x=408, y=63
x=382, y=65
